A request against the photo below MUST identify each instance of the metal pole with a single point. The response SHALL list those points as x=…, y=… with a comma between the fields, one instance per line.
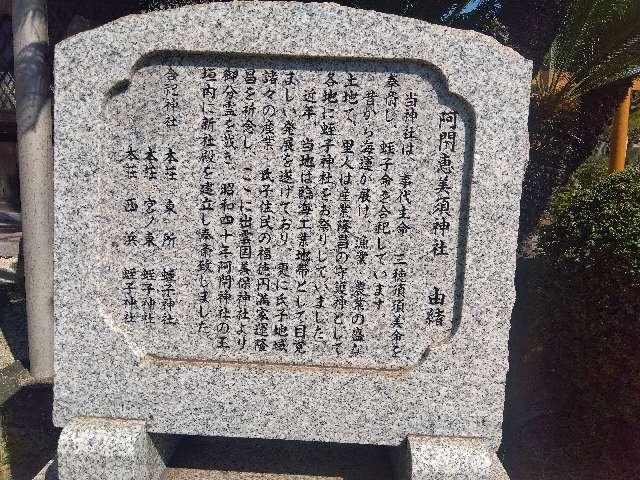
x=35, y=160
x=620, y=135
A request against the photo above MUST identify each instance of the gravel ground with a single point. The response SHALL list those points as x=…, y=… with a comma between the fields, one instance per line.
x=27, y=436
x=8, y=267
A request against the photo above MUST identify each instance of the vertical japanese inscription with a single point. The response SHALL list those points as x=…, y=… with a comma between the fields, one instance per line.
x=285, y=212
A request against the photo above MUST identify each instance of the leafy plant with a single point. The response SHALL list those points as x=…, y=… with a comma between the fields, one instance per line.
x=586, y=292
x=598, y=44
x=595, y=221
x=585, y=73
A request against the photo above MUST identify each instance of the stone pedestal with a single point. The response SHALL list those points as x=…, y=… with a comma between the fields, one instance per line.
x=449, y=458
x=96, y=449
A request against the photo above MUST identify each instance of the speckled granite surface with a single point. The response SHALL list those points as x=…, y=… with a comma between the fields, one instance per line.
x=452, y=459
x=191, y=474
x=95, y=449
x=274, y=132
x=50, y=472
x=456, y=388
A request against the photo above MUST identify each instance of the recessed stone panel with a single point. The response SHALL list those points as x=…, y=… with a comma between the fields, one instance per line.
x=286, y=211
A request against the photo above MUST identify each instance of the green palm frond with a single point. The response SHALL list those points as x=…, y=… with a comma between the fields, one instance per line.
x=598, y=44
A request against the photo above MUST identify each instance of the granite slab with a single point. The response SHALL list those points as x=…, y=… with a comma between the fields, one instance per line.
x=137, y=95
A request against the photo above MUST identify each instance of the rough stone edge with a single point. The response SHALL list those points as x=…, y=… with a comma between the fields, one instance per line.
x=49, y=472
x=93, y=36
x=114, y=448
x=437, y=458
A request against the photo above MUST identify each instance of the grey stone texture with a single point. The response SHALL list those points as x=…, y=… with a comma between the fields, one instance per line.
x=447, y=379
x=433, y=458
x=132, y=117
x=35, y=160
x=91, y=448
x=192, y=474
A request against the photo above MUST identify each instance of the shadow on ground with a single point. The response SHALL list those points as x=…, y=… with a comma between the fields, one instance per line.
x=13, y=327
x=29, y=435
x=572, y=408
x=346, y=461
x=14, y=345
x=28, y=438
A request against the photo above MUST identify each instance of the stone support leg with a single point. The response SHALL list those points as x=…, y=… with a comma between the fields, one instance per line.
x=99, y=449
x=443, y=458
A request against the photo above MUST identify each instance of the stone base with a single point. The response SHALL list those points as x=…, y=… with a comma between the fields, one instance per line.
x=50, y=472
x=444, y=458
x=194, y=474
x=97, y=449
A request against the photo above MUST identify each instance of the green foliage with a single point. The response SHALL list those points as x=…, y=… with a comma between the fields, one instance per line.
x=597, y=45
x=587, y=293
x=585, y=73
x=595, y=222
x=634, y=124
x=531, y=26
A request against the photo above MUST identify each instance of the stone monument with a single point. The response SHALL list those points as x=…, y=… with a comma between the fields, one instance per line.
x=284, y=221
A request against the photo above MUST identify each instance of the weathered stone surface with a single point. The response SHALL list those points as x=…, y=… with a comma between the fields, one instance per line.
x=268, y=179
x=49, y=472
x=191, y=474
x=92, y=448
x=451, y=459
x=436, y=379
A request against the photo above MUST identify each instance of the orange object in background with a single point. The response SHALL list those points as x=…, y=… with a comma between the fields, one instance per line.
x=620, y=135
x=620, y=131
